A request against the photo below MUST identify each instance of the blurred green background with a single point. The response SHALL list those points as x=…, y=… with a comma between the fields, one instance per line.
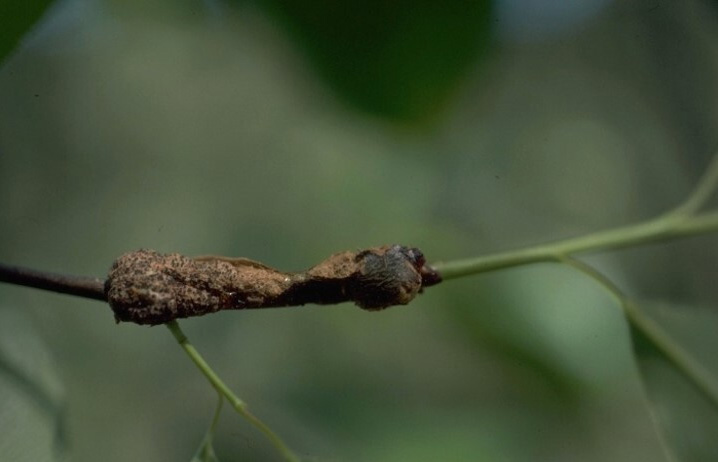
x=285, y=131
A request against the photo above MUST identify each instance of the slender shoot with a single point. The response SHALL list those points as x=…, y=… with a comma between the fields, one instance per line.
x=228, y=394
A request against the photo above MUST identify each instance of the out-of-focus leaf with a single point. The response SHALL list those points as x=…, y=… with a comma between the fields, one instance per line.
x=16, y=18
x=687, y=418
x=31, y=408
x=512, y=320
x=397, y=59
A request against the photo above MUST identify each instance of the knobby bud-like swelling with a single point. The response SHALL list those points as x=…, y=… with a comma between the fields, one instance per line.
x=146, y=287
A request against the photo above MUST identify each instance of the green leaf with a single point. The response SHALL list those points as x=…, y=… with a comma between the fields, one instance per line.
x=16, y=19
x=401, y=59
x=682, y=399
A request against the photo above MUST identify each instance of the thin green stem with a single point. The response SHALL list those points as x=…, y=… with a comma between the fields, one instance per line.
x=206, y=450
x=661, y=340
x=679, y=222
x=662, y=228
x=701, y=193
x=215, y=419
x=238, y=405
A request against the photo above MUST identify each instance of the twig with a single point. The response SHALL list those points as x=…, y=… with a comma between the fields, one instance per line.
x=147, y=287
x=81, y=286
x=668, y=226
x=660, y=229
x=680, y=221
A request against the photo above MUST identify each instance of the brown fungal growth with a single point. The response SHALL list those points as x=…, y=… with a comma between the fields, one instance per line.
x=146, y=287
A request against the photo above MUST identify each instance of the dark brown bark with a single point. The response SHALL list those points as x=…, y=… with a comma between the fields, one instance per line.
x=61, y=283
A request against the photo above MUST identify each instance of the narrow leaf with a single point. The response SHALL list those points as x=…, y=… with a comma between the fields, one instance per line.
x=681, y=391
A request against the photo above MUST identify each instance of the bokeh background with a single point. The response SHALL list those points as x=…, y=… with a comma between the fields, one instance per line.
x=284, y=131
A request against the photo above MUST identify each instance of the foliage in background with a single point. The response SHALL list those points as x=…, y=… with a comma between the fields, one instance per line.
x=400, y=60
x=16, y=18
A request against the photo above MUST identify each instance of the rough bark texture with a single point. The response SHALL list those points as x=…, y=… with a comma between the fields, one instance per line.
x=147, y=287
